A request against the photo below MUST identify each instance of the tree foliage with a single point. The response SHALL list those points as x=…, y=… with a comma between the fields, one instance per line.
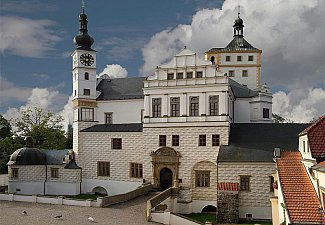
x=279, y=119
x=7, y=146
x=5, y=128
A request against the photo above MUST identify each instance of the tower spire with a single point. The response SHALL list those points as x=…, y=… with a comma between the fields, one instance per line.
x=83, y=6
x=238, y=25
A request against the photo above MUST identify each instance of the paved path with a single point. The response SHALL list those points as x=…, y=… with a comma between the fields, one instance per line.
x=132, y=212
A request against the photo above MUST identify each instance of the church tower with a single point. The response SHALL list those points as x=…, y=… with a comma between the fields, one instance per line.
x=84, y=80
x=239, y=59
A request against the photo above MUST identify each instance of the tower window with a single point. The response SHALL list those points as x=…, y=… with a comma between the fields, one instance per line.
x=202, y=140
x=194, y=106
x=215, y=140
x=156, y=107
x=116, y=143
x=86, y=91
x=266, y=113
x=87, y=114
x=227, y=58
x=250, y=58
x=162, y=140
x=231, y=73
x=179, y=76
x=109, y=118
x=199, y=74
x=189, y=75
x=86, y=76
x=213, y=60
x=245, y=73
x=175, y=140
x=75, y=92
x=170, y=76
x=174, y=106
x=214, y=105
x=239, y=58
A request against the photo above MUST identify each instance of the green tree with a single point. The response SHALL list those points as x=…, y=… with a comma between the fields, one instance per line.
x=5, y=128
x=7, y=146
x=45, y=128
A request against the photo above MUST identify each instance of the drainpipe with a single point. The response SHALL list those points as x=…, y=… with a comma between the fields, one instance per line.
x=217, y=188
x=45, y=179
x=80, y=180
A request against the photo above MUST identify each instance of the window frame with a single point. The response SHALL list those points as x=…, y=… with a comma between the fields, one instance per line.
x=266, y=113
x=86, y=91
x=116, y=143
x=189, y=75
x=194, y=106
x=215, y=139
x=162, y=140
x=239, y=58
x=108, y=117
x=136, y=170
x=86, y=76
x=170, y=76
x=198, y=74
x=175, y=140
x=54, y=172
x=250, y=58
x=87, y=111
x=231, y=73
x=214, y=105
x=156, y=107
x=244, y=73
x=175, y=103
x=202, y=178
x=14, y=173
x=179, y=75
x=245, y=183
x=202, y=140
x=103, y=169
x=228, y=58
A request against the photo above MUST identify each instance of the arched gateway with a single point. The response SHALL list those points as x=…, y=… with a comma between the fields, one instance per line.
x=165, y=162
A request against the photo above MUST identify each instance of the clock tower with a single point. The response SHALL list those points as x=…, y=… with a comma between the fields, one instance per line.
x=84, y=73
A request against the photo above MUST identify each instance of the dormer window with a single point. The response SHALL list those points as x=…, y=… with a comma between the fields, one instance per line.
x=266, y=113
x=86, y=91
x=86, y=76
x=199, y=74
x=170, y=76
x=179, y=76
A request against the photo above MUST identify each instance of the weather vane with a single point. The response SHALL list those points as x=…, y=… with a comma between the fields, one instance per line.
x=83, y=4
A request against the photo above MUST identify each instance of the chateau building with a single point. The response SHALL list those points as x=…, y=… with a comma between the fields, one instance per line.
x=203, y=125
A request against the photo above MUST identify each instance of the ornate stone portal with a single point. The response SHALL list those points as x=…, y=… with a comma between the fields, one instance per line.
x=163, y=158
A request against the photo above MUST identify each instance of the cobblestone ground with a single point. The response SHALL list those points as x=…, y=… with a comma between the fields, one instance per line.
x=132, y=212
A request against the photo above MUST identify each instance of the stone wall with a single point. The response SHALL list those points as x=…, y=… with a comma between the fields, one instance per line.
x=28, y=173
x=228, y=207
x=65, y=175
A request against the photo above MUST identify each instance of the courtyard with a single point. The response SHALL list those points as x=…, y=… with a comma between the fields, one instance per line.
x=132, y=212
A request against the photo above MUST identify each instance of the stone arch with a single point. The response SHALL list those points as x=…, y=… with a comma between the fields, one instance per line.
x=209, y=209
x=165, y=157
x=99, y=190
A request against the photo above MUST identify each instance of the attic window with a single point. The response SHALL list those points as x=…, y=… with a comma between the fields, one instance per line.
x=189, y=75
x=239, y=58
x=179, y=76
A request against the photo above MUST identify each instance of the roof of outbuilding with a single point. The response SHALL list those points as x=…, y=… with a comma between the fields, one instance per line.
x=238, y=43
x=228, y=186
x=255, y=142
x=129, y=127
x=121, y=88
x=316, y=137
x=27, y=156
x=241, y=91
x=55, y=157
x=299, y=194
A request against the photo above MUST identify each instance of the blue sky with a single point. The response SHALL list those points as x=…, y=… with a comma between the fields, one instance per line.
x=36, y=42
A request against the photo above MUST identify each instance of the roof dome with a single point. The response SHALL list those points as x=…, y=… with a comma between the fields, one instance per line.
x=27, y=156
x=83, y=40
x=238, y=21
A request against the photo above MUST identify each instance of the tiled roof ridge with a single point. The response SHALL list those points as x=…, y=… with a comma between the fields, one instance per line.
x=298, y=192
x=312, y=126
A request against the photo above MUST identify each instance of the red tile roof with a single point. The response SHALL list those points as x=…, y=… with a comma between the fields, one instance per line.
x=316, y=137
x=228, y=186
x=299, y=194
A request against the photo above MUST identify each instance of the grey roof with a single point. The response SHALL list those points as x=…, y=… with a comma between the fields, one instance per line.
x=241, y=91
x=121, y=88
x=72, y=165
x=55, y=157
x=128, y=127
x=255, y=142
x=27, y=156
x=238, y=43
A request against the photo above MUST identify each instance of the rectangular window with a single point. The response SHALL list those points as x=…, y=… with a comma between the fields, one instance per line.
x=179, y=76
x=86, y=91
x=215, y=140
x=214, y=105
x=250, y=58
x=244, y=183
x=202, y=178
x=202, y=140
x=75, y=92
x=239, y=58
x=245, y=73
x=87, y=114
x=304, y=146
x=162, y=140
x=170, y=76
x=175, y=140
x=136, y=170
x=266, y=113
x=227, y=58
x=199, y=74
x=142, y=115
x=271, y=183
x=189, y=75
x=194, y=106
x=174, y=106
x=231, y=73
x=54, y=172
x=109, y=117
x=14, y=173
x=156, y=107
x=116, y=143
x=86, y=76
x=103, y=169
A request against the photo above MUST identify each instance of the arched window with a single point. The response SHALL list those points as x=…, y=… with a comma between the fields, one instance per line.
x=86, y=76
x=213, y=60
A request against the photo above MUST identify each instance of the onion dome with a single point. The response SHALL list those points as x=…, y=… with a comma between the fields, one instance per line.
x=83, y=40
x=238, y=27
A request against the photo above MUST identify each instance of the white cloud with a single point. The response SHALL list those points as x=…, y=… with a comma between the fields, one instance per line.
x=26, y=37
x=300, y=105
x=114, y=71
x=9, y=92
x=67, y=113
x=289, y=32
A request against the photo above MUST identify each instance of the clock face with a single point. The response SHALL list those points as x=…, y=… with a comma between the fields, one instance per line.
x=86, y=59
